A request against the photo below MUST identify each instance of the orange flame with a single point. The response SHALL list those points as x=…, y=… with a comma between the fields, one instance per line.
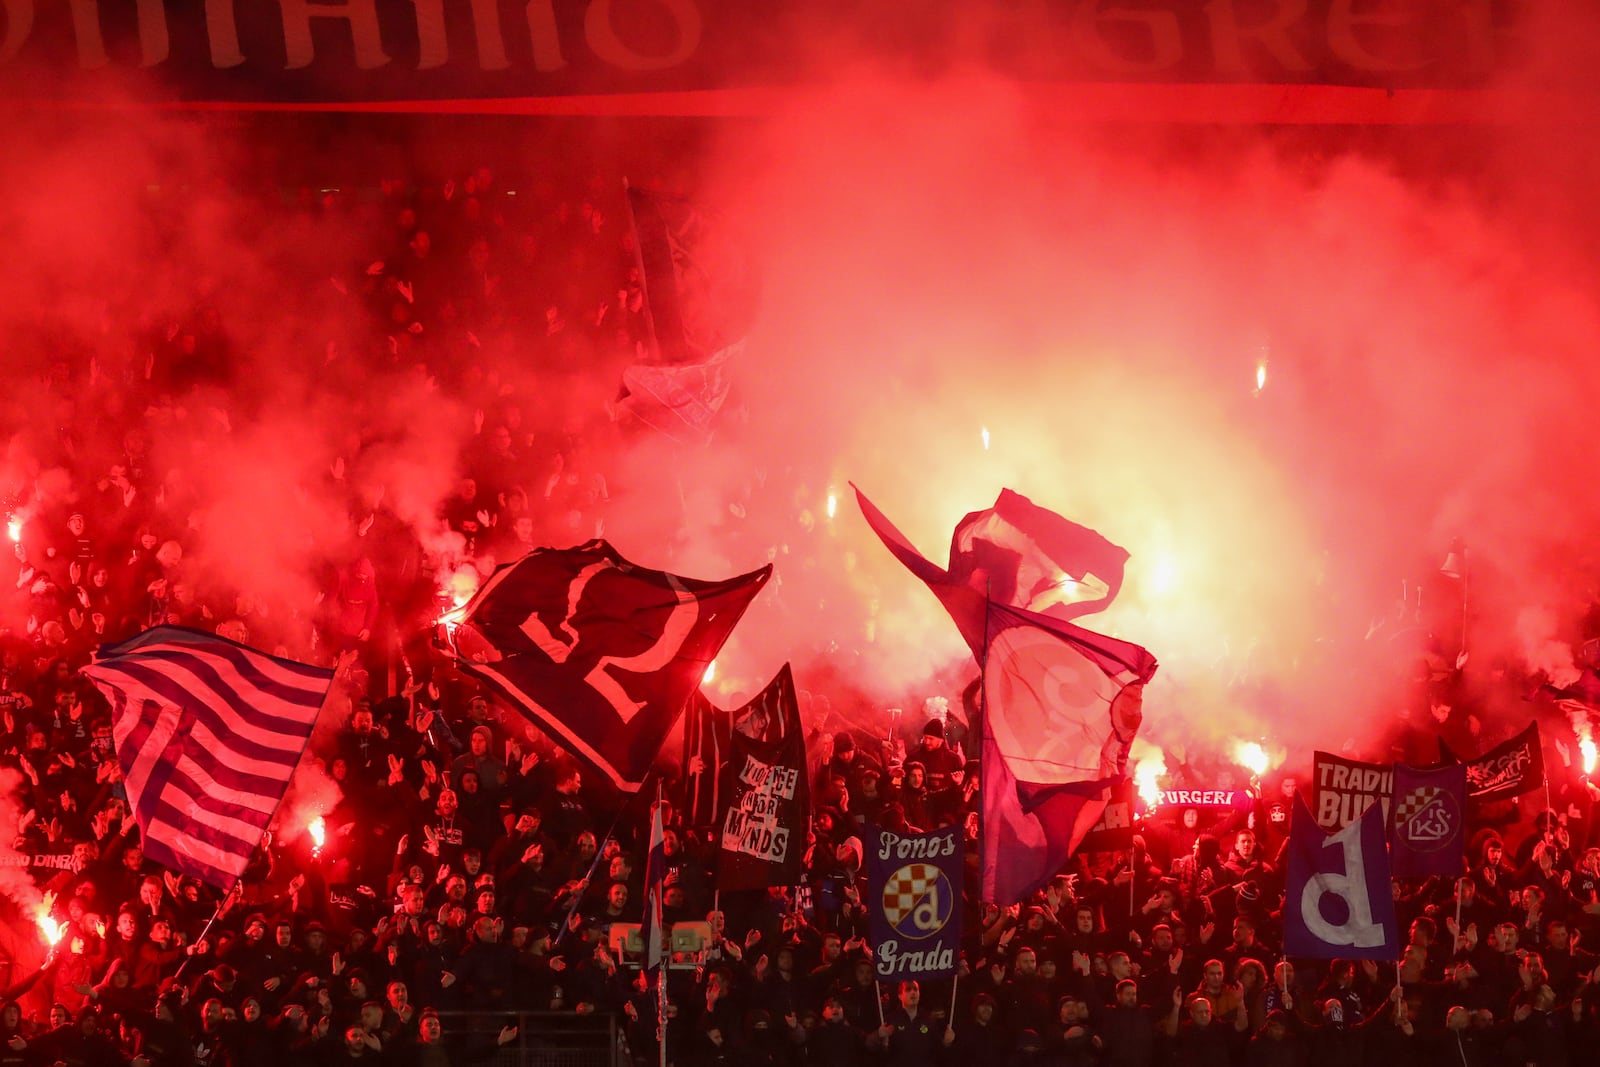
x=1251, y=756
x=48, y=926
x=1147, y=778
x=318, y=829
x=459, y=586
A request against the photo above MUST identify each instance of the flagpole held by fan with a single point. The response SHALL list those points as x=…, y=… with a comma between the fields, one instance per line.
x=599, y=853
x=661, y=970
x=222, y=906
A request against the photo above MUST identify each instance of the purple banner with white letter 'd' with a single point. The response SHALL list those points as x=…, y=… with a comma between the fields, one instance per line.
x=1428, y=821
x=914, y=894
x=1337, y=903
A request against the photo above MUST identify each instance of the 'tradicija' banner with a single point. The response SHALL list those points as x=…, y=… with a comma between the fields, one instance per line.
x=1344, y=788
x=914, y=889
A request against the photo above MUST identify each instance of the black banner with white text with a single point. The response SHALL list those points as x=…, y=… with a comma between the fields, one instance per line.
x=766, y=796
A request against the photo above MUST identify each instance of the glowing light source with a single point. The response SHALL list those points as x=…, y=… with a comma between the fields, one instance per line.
x=318, y=829
x=14, y=528
x=1587, y=747
x=711, y=673
x=1251, y=756
x=833, y=503
x=1261, y=375
x=986, y=438
x=459, y=587
x=1163, y=574
x=1147, y=778
x=48, y=927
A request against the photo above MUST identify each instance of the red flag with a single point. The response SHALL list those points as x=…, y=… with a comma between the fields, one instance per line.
x=1015, y=553
x=1061, y=708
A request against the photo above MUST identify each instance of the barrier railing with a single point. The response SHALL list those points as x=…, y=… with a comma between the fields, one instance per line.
x=544, y=1038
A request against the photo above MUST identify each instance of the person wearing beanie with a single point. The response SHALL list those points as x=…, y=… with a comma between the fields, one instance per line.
x=980, y=1037
x=480, y=756
x=931, y=751
x=849, y=762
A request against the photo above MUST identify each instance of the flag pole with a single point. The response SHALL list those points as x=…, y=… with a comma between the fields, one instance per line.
x=222, y=905
x=600, y=850
x=638, y=259
x=955, y=983
x=655, y=933
x=1133, y=887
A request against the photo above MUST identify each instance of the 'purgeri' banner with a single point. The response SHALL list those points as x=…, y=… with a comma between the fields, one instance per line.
x=1345, y=788
x=914, y=894
x=1178, y=799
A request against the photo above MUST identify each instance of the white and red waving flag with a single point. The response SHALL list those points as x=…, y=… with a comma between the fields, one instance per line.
x=208, y=733
x=1017, y=554
x=1062, y=706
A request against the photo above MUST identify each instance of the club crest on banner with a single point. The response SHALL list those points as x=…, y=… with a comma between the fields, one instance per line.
x=1428, y=818
x=918, y=901
x=914, y=900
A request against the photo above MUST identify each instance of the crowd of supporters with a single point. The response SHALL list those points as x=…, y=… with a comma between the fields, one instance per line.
x=470, y=871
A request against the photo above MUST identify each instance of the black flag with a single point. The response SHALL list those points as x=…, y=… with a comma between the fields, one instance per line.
x=766, y=798
x=603, y=655
x=1508, y=770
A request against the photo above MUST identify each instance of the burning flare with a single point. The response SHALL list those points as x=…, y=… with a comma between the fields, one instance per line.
x=457, y=588
x=711, y=673
x=48, y=927
x=14, y=528
x=1147, y=778
x=986, y=438
x=1251, y=756
x=318, y=829
x=1578, y=719
x=1261, y=375
x=833, y=504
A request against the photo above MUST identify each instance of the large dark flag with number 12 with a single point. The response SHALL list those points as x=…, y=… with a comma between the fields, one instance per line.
x=602, y=654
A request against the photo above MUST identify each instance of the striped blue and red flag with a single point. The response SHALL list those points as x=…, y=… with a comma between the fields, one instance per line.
x=208, y=733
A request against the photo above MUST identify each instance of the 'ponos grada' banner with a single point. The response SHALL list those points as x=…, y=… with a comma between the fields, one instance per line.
x=375, y=50
x=914, y=885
